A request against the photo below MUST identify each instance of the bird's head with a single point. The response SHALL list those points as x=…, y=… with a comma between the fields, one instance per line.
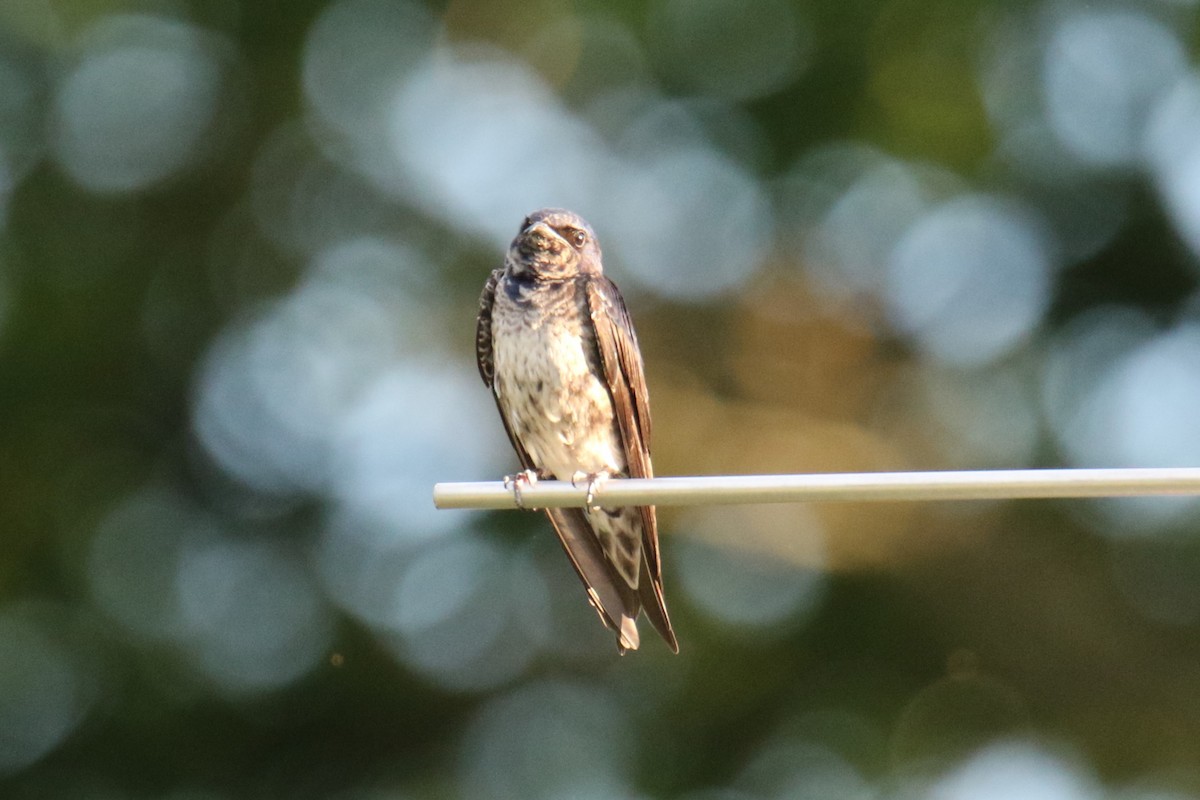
x=553, y=245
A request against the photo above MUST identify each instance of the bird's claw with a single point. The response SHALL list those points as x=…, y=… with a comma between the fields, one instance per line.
x=594, y=481
x=528, y=477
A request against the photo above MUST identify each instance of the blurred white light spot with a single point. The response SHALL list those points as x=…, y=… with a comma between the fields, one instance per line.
x=1173, y=149
x=753, y=588
x=815, y=182
x=1080, y=356
x=612, y=113
x=359, y=564
x=439, y=584
x=415, y=425
x=487, y=142
x=376, y=267
x=356, y=55
x=848, y=248
x=970, y=280
x=689, y=224
x=137, y=106
x=271, y=394
x=461, y=612
x=1147, y=404
x=1142, y=414
x=1014, y=769
x=244, y=611
x=304, y=202
x=1103, y=72
x=456, y=614
x=653, y=128
x=730, y=48
x=252, y=617
x=43, y=695
x=393, y=277
x=1085, y=210
x=843, y=207
x=548, y=740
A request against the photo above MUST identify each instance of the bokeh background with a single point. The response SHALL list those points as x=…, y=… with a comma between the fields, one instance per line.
x=241, y=245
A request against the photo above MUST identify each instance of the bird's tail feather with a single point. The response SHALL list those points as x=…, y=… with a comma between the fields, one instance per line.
x=651, y=597
x=614, y=600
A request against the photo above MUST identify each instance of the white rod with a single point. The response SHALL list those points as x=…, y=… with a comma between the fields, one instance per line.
x=826, y=487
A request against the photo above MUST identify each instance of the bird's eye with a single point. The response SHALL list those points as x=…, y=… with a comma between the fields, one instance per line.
x=524, y=225
x=579, y=237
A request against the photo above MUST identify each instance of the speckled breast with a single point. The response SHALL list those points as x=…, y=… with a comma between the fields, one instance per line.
x=547, y=382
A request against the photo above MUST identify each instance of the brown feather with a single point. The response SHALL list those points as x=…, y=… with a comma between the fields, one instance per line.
x=623, y=372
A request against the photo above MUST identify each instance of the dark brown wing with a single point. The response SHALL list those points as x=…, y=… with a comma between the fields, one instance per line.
x=626, y=379
x=483, y=328
x=613, y=600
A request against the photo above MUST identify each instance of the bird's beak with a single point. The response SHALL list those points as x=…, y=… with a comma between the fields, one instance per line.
x=540, y=236
x=540, y=229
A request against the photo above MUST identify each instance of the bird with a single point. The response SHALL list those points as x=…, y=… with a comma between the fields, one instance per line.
x=557, y=349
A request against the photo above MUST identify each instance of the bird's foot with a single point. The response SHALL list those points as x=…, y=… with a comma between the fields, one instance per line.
x=594, y=481
x=527, y=477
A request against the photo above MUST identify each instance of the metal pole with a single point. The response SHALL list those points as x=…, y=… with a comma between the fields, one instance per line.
x=828, y=487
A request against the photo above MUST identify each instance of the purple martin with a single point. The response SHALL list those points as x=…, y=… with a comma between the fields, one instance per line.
x=557, y=349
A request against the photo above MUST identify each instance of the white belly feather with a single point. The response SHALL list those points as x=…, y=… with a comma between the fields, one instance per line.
x=559, y=410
